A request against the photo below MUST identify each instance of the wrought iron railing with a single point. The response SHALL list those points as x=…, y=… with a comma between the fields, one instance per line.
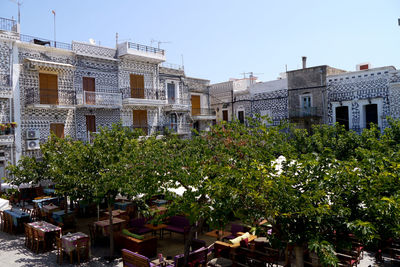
x=141, y=93
x=148, y=129
x=305, y=112
x=6, y=131
x=100, y=99
x=203, y=112
x=179, y=101
x=8, y=25
x=180, y=128
x=50, y=97
x=172, y=66
x=44, y=42
x=145, y=48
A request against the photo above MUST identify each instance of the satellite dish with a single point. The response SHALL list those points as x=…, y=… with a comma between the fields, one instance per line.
x=92, y=41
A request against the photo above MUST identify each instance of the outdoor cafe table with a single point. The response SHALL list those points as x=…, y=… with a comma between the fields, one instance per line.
x=50, y=208
x=104, y=225
x=19, y=217
x=69, y=240
x=42, y=201
x=122, y=205
x=116, y=213
x=58, y=215
x=47, y=230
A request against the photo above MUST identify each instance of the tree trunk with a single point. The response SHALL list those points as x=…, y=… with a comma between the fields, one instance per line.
x=193, y=229
x=66, y=204
x=111, y=227
x=298, y=250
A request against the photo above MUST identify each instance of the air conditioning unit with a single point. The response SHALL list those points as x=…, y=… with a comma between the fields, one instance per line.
x=32, y=144
x=32, y=134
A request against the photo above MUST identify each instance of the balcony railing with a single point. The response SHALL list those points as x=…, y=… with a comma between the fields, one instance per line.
x=9, y=25
x=44, y=42
x=172, y=66
x=148, y=129
x=100, y=99
x=304, y=112
x=179, y=128
x=203, y=112
x=35, y=96
x=145, y=48
x=179, y=101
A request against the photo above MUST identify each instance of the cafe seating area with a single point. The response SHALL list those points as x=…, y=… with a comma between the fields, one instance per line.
x=81, y=232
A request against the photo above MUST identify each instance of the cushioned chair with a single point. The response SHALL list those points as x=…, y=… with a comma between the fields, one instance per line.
x=137, y=226
x=178, y=224
x=196, y=258
x=132, y=259
x=146, y=247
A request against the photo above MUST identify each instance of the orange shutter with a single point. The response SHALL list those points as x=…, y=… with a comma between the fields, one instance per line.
x=195, y=104
x=89, y=86
x=90, y=123
x=57, y=129
x=48, y=86
x=137, y=86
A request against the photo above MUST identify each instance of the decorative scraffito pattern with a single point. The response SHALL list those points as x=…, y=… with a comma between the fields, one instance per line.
x=103, y=117
x=93, y=50
x=5, y=110
x=359, y=87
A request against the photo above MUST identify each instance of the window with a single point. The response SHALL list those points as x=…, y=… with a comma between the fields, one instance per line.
x=137, y=86
x=241, y=116
x=89, y=90
x=171, y=93
x=57, y=129
x=342, y=116
x=48, y=86
x=371, y=115
x=306, y=101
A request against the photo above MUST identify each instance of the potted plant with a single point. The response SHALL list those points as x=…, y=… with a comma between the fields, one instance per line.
x=2, y=126
x=14, y=124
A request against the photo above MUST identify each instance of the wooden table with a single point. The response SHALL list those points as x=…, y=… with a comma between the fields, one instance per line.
x=116, y=213
x=104, y=225
x=163, y=263
x=221, y=234
x=47, y=230
x=154, y=229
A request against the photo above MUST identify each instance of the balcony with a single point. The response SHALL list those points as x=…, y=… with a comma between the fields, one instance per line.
x=8, y=25
x=7, y=136
x=305, y=112
x=178, y=104
x=179, y=128
x=50, y=98
x=99, y=100
x=203, y=114
x=140, y=97
x=141, y=52
x=90, y=50
x=148, y=129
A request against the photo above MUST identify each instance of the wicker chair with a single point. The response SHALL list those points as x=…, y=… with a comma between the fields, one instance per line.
x=82, y=248
x=28, y=236
x=38, y=240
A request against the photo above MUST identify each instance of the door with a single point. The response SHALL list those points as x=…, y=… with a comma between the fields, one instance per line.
x=171, y=93
x=225, y=115
x=57, y=129
x=48, y=84
x=90, y=123
x=140, y=120
x=137, y=86
x=196, y=105
x=89, y=91
x=174, y=122
x=241, y=116
x=371, y=115
x=342, y=116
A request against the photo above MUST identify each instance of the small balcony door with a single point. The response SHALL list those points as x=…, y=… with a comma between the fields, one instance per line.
x=225, y=115
x=174, y=122
x=241, y=116
x=140, y=120
x=137, y=86
x=195, y=105
x=57, y=129
x=171, y=93
x=89, y=91
x=48, y=84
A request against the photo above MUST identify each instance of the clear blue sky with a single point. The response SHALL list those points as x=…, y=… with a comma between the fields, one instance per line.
x=220, y=39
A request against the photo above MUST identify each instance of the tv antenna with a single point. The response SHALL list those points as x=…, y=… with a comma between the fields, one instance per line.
x=19, y=3
x=158, y=42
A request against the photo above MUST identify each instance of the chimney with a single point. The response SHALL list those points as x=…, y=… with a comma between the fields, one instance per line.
x=304, y=59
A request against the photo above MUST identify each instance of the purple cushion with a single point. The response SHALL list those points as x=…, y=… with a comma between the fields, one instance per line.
x=142, y=230
x=175, y=229
x=179, y=221
x=138, y=222
x=236, y=228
